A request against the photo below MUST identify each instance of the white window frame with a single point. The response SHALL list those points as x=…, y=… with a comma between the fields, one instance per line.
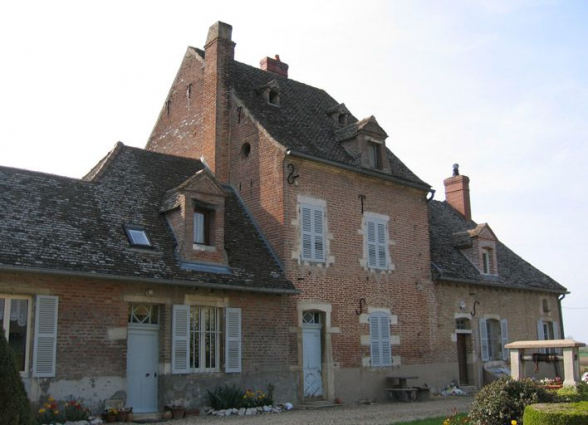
x=217, y=332
x=313, y=233
x=502, y=337
x=7, y=306
x=380, y=242
x=485, y=261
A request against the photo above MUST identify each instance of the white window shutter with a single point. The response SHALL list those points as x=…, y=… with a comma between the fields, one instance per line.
x=306, y=229
x=319, y=245
x=371, y=244
x=556, y=335
x=233, y=340
x=181, y=339
x=385, y=335
x=44, y=356
x=382, y=245
x=504, y=335
x=484, y=340
x=375, y=341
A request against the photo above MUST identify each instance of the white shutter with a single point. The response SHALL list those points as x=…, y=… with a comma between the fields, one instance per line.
x=375, y=341
x=382, y=245
x=385, y=336
x=556, y=336
x=44, y=356
x=319, y=245
x=233, y=340
x=371, y=244
x=306, y=229
x=504, y=335
x=484, y=340
x=181, y=339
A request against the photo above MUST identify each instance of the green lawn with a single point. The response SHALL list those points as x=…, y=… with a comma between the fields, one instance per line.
x=430, y=421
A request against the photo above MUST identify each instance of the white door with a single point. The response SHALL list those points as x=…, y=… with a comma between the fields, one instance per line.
x=311, y=357
x=142, y=368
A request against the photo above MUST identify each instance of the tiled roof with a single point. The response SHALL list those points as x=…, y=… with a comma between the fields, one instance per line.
x=447, y=229
x=55, y=223
x=301, y=122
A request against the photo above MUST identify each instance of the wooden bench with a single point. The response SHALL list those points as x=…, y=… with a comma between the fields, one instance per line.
x=409, y=393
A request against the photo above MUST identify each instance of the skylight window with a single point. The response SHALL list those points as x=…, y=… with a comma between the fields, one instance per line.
x=137, y=236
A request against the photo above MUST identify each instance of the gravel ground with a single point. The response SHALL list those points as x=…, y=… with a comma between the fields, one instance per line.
x=374, y=414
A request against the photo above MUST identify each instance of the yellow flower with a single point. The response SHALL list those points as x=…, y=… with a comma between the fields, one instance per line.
x=41, y=410
x=446, y=422
x=50, y=399
x=513, y=422
x=56, y=412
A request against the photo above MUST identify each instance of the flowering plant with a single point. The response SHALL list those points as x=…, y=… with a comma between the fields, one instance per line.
x=585, y=377
x=549, y=381
x=49, y=413
x=75, y=411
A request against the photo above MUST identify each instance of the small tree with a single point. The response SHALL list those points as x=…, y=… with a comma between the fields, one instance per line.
x=15, y=408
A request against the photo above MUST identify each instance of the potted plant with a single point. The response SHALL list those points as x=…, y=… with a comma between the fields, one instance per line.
x=110, y=415
x=178, y=411
x=123, y=414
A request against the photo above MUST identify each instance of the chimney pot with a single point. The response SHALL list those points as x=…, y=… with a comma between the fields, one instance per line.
x=275, y=66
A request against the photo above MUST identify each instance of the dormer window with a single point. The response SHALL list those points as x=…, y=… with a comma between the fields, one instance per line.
x=274, y=97
x=374, y=158
x=137, y=236
x=342, y=119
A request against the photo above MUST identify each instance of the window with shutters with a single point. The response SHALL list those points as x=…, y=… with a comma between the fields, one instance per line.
x=312, y=231
x=547, y=329
x=197, y=339
x=493, y=338
x=380, y=348
x=376, y=242
x=15, y=316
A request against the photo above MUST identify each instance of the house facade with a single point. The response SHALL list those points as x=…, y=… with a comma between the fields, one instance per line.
x=265, y=236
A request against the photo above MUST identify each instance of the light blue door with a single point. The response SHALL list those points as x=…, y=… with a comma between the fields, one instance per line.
x=142, y=368
x=312, y=360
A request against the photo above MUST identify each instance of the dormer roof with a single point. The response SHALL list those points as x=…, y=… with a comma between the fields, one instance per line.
x=367, y=125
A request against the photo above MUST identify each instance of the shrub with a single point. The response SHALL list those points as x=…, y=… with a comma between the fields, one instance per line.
x=15, y=408
x=572, y=394
x=557, y=414
x=505, y=400
x=226, y=397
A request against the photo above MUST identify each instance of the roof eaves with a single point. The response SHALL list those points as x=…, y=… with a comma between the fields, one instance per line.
x=448, y=279
x=137, y=279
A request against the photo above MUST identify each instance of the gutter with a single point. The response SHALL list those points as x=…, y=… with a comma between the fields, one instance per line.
x=370, y=173
x=561, y=324
x=498, y=285
x=135, y=279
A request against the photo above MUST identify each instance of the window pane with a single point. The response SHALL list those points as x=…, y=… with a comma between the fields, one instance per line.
x=17, y=330
x=2, y=301
x=195, y=338
x=199, y=228
x=138, y=237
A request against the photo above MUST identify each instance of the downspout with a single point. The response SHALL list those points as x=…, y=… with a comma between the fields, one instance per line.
x=559, y=300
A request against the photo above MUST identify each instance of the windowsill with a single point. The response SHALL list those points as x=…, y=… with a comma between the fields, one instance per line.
x=203, y=248
x=145, y=250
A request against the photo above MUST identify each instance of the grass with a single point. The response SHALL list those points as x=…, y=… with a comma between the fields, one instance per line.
x=430, y=421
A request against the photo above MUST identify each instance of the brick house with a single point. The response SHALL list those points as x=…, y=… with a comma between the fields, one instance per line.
x=265, y=235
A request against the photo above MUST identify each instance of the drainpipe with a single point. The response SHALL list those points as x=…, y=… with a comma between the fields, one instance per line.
x=559, y=300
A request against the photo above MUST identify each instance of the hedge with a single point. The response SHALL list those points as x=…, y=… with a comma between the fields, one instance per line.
x=557, y=414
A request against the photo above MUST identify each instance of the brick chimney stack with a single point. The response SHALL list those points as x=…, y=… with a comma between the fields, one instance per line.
x=219, y=55
x=457, y=193
x=275, y=66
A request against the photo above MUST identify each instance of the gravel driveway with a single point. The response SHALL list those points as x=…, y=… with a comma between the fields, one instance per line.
x=374, y=414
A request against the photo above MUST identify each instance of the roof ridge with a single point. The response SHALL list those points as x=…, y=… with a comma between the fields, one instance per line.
x=42, y=173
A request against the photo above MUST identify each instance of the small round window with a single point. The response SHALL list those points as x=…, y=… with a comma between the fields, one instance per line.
x=245, y=150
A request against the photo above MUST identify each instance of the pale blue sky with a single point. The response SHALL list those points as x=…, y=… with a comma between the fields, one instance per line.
x=501, y=87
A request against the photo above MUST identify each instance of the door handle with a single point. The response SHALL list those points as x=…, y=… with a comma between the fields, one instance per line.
x=155, y=374
x=147, y=375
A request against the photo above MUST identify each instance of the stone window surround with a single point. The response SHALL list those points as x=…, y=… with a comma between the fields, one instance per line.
x=363, y=261
x=328, y=237
x=365, y=339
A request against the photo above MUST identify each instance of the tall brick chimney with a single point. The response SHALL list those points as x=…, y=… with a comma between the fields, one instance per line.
x=219, y=55
x=275, y=66
x=457, y=193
